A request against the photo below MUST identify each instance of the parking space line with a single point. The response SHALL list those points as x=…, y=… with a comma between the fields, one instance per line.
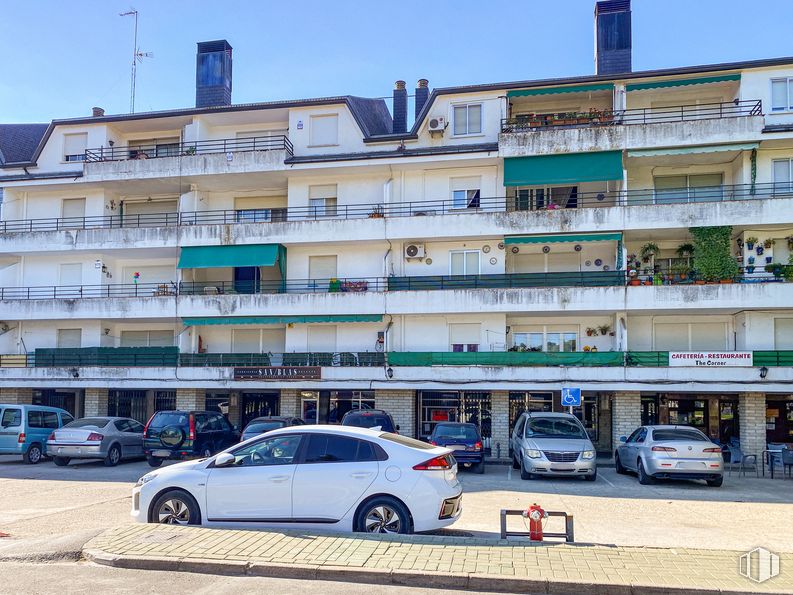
x=600, y=476
x=509, y=473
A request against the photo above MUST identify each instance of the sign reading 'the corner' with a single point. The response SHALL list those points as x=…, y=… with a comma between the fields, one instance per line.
x=710, y=359
x=279, y=373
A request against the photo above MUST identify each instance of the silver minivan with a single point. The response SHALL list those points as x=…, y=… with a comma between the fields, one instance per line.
x=552, y=444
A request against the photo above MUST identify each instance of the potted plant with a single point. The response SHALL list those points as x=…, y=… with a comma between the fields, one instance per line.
x=376, y=212
x=768, y=243
x=713, y=258
x=685, y=250
x=768, y=259
x=604, y=329
x=776, y=269
x=648, y=251
x=789, y=243
x=750, y=265
x=634, y=277
x=591, y=332
x=750, y=242
x=587, y=349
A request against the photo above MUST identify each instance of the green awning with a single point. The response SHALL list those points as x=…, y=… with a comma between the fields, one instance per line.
x=568, y=168
x=251, y=255
x=702, y=80
x=556, y=239
x=565, y=89
x=231, y=320
x=692, y=150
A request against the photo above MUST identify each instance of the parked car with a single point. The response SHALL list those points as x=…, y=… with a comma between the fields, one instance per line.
x=186, y=434
x=552, y=444
x=24, y=429
x=260, y=425
x=320, y=477
x=108, y=438
x=670, y=452
x=370, y=418
x=464, y=439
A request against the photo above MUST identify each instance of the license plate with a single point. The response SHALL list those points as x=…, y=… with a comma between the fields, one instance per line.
x=457, y=447
x=691, y=465
x=161, y=453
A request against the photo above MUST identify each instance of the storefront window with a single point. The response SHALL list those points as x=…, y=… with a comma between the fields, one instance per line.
x=689, y=412
x=329, y=407
x=454, y=406
x=779, y=421
x=587, y=414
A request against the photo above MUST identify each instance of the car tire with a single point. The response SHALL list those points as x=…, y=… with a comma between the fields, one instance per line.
x=592, y=477
x=618, y=467
x=175, y=507
x=523, y=473
x=515, y=463
x=383, y=515
x=644, y=479
x=61, y=461
x=716, y=483
x=480, y=468
x=153, y=461
x=33, y=454
x=113, y=456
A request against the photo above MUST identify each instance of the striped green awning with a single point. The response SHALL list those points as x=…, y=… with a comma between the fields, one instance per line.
x=692, y=150
x=555, y=239
x=563, y=89
x=251, y=255
x=568, y=168
x=232, y=320
x=702, y=80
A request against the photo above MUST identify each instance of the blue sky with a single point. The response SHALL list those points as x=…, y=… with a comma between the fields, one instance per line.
x=61, y=58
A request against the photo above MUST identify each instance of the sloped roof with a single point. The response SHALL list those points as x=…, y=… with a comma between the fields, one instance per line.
x=18, y=142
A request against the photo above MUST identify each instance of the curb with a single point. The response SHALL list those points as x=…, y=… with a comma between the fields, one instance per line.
x=376, y=576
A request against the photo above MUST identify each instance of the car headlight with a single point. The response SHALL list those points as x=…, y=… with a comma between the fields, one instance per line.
x=588, y=455
x=533, y=453
x=145, y=479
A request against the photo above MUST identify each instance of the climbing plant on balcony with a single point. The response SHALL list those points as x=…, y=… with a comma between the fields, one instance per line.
x=713, y=260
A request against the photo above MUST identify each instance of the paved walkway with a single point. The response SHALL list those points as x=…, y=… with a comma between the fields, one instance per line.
x=431, y=561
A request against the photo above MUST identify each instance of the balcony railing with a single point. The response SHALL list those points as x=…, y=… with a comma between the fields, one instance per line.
x=598, y=118
x=188, y=148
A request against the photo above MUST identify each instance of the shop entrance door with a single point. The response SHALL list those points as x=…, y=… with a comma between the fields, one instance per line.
x=649, y=411
x=258, y=405
x=728, y=420
x=690, y=412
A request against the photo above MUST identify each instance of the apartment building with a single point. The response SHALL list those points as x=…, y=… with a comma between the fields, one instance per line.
x=626, y=233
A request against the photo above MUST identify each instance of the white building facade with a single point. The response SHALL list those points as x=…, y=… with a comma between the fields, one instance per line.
x=313, y=256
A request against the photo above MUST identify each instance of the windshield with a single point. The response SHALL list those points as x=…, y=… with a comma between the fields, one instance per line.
x=455, y=432
x=678, y=436
x=160, y=420
x=264, y=426
x=554, y=427
x=368, y=421
x=94, y=422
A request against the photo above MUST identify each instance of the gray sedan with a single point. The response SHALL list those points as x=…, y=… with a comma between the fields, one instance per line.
x=108, y=438
x=670, y=452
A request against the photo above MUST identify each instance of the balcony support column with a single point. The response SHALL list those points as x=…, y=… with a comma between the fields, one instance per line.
x=288, y=404
x=626, y=415
x=499, y=424
x=95, y=401
x=401, y=404
x=191, y=398
x=751, y=422
x=16, y=396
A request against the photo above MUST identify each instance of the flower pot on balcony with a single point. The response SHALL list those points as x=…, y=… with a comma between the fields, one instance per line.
x=759, y=250
x=725, y=281
x=635, y=282
x=699, y=282
x=768, y=259
x=750, y=245
x=750, y=269
x=648, y=282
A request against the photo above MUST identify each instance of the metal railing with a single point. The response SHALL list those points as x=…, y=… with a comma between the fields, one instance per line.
x=278, y=142
x=524, y=201
x=606, y=117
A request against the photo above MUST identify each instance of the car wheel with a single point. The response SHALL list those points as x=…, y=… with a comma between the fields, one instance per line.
x=644, y=479
x=33, y=454
x=618, y=467
x=113, y=456
x=176, y=507
x=383, y=515
x=515, y=463
x=716, y=483
x=592, y=477
x=523, y=473
x=61, y=461
x=154, y=461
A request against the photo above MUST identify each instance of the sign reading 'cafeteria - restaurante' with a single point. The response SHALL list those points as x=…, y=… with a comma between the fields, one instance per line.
x=712, y=359
x=279, y=373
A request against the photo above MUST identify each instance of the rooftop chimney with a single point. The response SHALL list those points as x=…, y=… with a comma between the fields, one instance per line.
x=213, y=74
x=422, y=94
x=97, y=112
x=400, y=107
x=613, y=37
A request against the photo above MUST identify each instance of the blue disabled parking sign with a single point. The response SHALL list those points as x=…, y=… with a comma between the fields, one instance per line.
x=571, y=397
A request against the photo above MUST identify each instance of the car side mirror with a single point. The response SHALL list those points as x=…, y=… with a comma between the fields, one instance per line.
x=397, y=427
x=623, y=438
x=224, y=459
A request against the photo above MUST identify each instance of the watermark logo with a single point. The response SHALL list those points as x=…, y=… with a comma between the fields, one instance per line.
x=759, y=565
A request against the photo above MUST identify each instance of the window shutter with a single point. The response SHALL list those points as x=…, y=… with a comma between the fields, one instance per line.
x=134, y=338
x=75, y=144
x=474, y=119
x=779, y=91
x=322, y=339
x=161, y=338
x=781, y=171
x=245, y=341
x=465, y=333
x=671, y=337
x=73, y=207
x=69, y=338
x=783, y=333
x=71, y=274
x=322, y=267
x=323, y=191
x=708, y=335
x=324, y=130
x=466, y=183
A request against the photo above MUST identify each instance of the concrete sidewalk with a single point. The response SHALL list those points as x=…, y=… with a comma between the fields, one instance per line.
x=430, y=561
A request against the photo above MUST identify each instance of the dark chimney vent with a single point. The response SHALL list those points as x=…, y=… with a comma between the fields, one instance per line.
x=400, y=107
x=97, y=112
x=213, y=74
x=613, y=37
x=422, y=94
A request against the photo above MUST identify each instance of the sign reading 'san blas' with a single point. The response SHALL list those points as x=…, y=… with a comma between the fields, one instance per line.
x=710, y=359
x=279, y=373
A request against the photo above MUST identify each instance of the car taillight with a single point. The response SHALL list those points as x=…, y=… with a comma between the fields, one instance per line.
x=664, y=449
x=715, y=449
x=478, y=446
x=94, y=437
x=433, y=443
x=146, y=427
x=435, y=464
x=21, y=438
x=192, y=427
x=52, y=436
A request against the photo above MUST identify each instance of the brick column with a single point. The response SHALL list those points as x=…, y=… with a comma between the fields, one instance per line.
x=95, y=401
x=401, y=404
x=626, y=415
x=499, y=423
x=191, y=398
x=16, y=396
x=751, y=422
x=235, y=407
x=289, y=402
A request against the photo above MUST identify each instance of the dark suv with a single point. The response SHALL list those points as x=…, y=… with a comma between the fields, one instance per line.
x=370, y=418
x=186, y=434
x=464, y=439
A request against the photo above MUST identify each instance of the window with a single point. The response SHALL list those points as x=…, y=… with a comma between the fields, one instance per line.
x=467, y=119
x=42, y=419
x=74, y=146
x=464, y=262
x=781, y=94
x=783, y=333
x=322, y=200
x=325, y=448
x=69, y=338
x=466, y=192
x=694, y=188
x=147, y=338
x=783, y=174
x=465, y=337
x=279, y=450
x=548, y=197
x=690, y=336
x=324, y=130
x=73, y=210
x=550, y=340
x=11, y=418
x=679, y=435
x=66, y=418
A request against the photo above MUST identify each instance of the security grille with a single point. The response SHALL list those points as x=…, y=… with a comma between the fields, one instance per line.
x=165, y=400
x=128, y=403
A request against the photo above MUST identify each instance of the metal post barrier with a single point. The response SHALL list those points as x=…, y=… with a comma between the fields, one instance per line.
x=568, y=535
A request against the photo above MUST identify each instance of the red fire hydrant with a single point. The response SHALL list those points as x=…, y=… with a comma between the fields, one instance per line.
x=536, y=515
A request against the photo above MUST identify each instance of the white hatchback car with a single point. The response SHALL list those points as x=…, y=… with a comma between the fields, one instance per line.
x=327, y=477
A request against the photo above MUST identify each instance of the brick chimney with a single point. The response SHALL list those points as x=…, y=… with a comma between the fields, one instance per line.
x=97, y=112
x=613, y=37
x=400, y=107
x=213, y=74
x=422, y=95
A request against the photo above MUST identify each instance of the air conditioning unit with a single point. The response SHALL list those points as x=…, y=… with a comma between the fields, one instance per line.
x=437, y=124
x=414, y=251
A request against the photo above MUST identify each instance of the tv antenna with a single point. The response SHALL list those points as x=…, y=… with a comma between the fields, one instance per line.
x=137, y=56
